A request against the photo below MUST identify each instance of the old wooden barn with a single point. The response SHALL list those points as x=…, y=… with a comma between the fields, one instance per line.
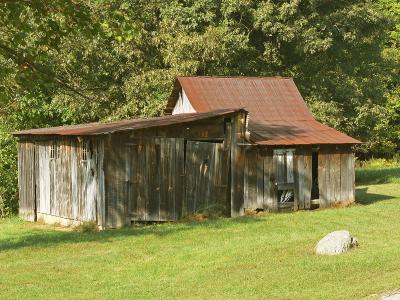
x=226, y=144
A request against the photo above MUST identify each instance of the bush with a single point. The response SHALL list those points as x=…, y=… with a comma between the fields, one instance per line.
x=375, y=163
x=378, y=170
x=8, y=174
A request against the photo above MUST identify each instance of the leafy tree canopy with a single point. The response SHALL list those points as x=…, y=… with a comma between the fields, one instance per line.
x=64, y=62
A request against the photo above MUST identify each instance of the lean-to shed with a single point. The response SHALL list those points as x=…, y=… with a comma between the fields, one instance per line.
x=228, y=144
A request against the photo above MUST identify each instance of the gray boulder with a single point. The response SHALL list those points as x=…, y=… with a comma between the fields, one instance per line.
x=395, y=296
x=336, y=242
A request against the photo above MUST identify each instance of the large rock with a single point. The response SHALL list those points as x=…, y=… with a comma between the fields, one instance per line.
x=392, y=296
x=336, y=242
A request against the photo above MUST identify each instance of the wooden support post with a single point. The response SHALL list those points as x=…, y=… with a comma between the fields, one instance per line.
x=237, y=164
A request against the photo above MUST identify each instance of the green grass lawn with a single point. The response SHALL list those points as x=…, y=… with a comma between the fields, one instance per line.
x=269, y=256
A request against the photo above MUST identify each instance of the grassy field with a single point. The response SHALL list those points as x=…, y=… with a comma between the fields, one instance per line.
x=267, y=257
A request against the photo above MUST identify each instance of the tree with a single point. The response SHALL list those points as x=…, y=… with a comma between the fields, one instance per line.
x=65, y=62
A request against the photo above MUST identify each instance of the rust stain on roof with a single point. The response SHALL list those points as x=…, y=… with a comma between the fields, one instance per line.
x=278, y=114
x=133, y=124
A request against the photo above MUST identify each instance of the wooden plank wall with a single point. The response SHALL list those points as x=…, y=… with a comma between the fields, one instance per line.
x=302, y=167
x=335, y=176
x=116, y=181
x=270, y=192
x=254, y=179
x=259, y=179
x=144, y=179
x=262, y=170
x=26, y=180
x=157, y=176
x=206, y=177
x=129, y=172
x=68, y=186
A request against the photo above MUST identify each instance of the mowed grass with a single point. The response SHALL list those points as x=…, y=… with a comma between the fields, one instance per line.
x=260, y=257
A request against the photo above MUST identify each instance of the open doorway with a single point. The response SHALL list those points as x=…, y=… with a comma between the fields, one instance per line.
x=314, y=186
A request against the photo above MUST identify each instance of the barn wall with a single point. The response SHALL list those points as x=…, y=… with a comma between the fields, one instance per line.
x=115, y=180
x=259, y=178
x=335, y=176
x=164, y=173
x=183, y=105
x=26, y=180
x=69, y=188
x=263, y=170
x=143, y=179
x=254, y=186
x=206, y=174
x=302, y=167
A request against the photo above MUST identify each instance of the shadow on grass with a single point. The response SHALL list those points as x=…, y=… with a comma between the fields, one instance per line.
x=377, y=176
x=45, y=237
x=365, y=198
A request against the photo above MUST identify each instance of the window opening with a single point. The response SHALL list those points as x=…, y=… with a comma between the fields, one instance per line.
x=52, y=151
x=84, y=149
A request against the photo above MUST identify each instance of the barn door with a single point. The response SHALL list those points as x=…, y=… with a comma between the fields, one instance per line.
x=155, y=178
x=284, y=177
x=143, y=181
x=206, y=169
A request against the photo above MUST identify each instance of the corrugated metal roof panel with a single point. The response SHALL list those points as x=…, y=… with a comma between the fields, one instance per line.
x=278, y=113
x=104, y=128
x=296, y=133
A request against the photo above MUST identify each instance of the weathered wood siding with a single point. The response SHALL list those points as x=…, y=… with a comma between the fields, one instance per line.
x=143, y=179
x=254, y=179
x=302, y=167
x=335, y=176
x=69, y=185
x=259, y=179
x=156, y=168
x=162, y=179
x=163, y=173
x=206, y=177
x=26, y=180
x=183, y=104
x=265, y=171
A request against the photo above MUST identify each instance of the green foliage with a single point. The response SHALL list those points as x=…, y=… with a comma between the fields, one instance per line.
x=64, y=62
x=8, y=173
x=378, y=170
x=378, y=175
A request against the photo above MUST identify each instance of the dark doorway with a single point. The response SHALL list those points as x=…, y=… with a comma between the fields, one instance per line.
x=314, y=187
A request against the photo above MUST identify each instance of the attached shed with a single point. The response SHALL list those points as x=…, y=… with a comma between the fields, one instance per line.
x=288, y=159
x=208, y=154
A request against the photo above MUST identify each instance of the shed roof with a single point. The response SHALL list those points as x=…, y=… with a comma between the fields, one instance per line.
x=110, y=127
x=278, y=114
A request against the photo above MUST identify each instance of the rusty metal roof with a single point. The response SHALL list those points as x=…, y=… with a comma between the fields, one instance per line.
x=277, y=111
x=133, y=124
